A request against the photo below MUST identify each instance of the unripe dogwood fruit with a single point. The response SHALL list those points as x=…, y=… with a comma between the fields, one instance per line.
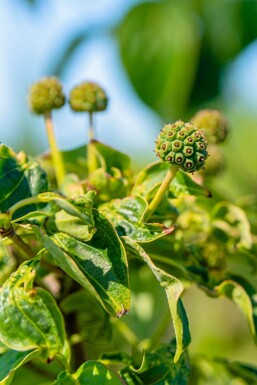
x=183, y=145
x=214, y=124
x=88, y=97
x=46, y=95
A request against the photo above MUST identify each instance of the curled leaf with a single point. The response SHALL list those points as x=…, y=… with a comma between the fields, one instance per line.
x=29, y=317
x=174, y=289
x=99, y=265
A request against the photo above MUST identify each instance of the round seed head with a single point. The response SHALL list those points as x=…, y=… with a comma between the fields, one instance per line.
x=214, y=124
x=183, y=145
x=170, y=157
x=46, y=95
x=88, y=97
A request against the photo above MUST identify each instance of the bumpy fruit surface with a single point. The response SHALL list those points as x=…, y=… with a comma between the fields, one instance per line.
x=214, y=124
x=46, y=95
x=88, y=96
x=183, y=145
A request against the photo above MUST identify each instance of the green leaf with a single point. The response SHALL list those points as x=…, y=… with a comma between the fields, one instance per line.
x=91, y=372
x=151, y=177
x=158, y=368
x=109, y=157
x=206, y=371
x=174, y=289
x=76, y=219
x=99, y=265
x=36, y=176
x=91, y=318
x=127, y=215
x=29, y=317
x=243, y=295
x=232, y=221
x=19, y=179
x=72, y=186
x=108, y=185
x=164, y=37
x=12, y=360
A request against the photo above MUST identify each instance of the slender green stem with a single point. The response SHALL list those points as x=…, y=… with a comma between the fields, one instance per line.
x=160, y=330
x=56, y=154
x=126, y=332
x=91, y=131
x=161, y=191
x=91, y=155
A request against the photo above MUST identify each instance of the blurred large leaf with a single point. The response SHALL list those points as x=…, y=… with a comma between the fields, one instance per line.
x=109, y=157
x=29, y=317
x=99, y=265
x=206, y=371
x=158, y=368
x=12, y=360
x=174, y=289
x=20, y=178
x=222, y=41
x=159, y=44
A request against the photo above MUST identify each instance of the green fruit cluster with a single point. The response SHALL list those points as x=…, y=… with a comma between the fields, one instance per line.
x=46, y=95
x=88, y=96
x=214, y=124
x=183, y=145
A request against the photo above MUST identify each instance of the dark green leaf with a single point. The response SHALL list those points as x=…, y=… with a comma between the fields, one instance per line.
x=12, y=360
x=158, y=368
x=127, y=214
x=99, y=265
x=108, y=157
x=206, y=371
x=151, y=177
x=36, y=176
x=174, y=289
x=29, y=317
x=235, y=30
x=19, y=179
x=92, y=320
x=91, y=372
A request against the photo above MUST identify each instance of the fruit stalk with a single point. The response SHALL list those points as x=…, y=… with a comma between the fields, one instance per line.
x=161, y=191
x=56, y=155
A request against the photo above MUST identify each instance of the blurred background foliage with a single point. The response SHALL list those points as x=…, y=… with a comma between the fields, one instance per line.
x=158, y=61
